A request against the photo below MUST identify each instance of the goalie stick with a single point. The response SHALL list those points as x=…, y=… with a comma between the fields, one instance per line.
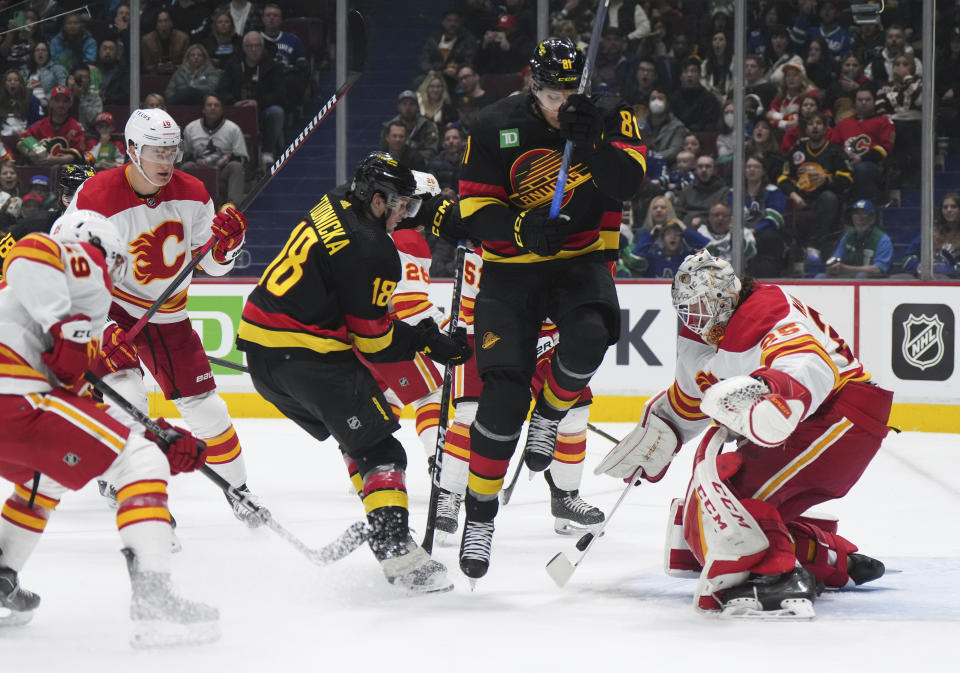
x=357, y=39
x=347, y=542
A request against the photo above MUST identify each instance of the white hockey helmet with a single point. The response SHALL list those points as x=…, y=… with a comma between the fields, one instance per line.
x=427, y=185
x=705, y=294
x=152, y=127
x=87, y=226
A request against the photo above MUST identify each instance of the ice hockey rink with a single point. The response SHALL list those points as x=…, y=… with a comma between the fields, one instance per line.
x=619, y=612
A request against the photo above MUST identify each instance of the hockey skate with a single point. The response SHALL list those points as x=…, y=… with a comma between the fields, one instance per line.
x=776, y=597
x=863, y=569
x=448, y=511
x=475, y=548
x=541, y=442
x=573, y=514
x=160, y=616
x=252, y=519
x=16, y=601
x=416, y=572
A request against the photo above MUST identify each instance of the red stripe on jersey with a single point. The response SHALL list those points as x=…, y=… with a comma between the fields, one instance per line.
x=469, y=188
x=764, y=308
x=368, y=328
x=488, y=468
x=642, y=149
x=411, y=242
x=254, y=314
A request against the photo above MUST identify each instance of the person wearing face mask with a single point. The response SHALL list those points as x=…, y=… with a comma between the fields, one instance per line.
x=298, y=329
x=665, y=137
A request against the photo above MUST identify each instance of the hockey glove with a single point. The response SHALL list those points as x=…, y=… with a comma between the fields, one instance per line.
x=536, y=232
x=229, y=227
x=445, y=220
x=646, y=452
x=115, y=352
x=580, y=121
x=74, y=350
x=442, y=348
x=185, y=453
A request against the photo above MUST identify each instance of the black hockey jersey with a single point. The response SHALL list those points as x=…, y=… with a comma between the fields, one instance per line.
x=511, y=164
x=802, y=162
x=328, y=290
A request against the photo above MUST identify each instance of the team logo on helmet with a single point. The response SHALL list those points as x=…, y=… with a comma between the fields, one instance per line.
x=147, y=250
x=533, y=178
x=922, y=344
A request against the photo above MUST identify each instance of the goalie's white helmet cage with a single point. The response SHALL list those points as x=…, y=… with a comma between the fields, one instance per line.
x=705, y=294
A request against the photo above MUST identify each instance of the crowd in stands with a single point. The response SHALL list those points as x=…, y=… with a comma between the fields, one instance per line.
x=233, y=73
x=832, y=107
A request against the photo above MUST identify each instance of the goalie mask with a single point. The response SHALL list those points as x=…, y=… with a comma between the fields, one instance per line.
x=379, y=173
x=87, y=226
x=705, y=294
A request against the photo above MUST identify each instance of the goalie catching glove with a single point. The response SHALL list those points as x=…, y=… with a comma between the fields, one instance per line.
x=535, y=231
x=765, y=407
x=74, y=351
x=646, y=452
x=229, y=227
x=443, y=348
x=184, y=452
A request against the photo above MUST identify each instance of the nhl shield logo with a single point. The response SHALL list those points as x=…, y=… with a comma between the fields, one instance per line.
x=922, y=344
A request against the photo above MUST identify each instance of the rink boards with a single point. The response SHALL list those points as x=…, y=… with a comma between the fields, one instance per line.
x=905, y=333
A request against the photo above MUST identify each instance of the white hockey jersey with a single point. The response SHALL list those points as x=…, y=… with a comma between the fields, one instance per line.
x=45, y=282
x=770, y=329
x=472, y=266
x=162, y=233
x=410, y=301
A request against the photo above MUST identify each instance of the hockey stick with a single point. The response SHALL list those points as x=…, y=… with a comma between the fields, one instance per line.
x=590, y=426
x=583, y=88
x=357, y=38
x=445, y=393
x=229, y=365
x=347, y=542
x=559, y=567
x=506, y=493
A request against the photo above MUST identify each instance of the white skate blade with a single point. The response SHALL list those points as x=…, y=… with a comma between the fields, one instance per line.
x=563, y=526
x=148, y=634
x=791, y=610
x=560, y=569
x=14, y=617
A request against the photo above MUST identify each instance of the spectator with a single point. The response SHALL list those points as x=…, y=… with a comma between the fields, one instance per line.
x=671, y=65
x=836, y=38
x=254, y=79
x=216, y=142
x=10, y=200
x=434, y=100
x=289, y=50
x=763, y=209
x=31, y=210
x=194, y=80
x=41, y=74
x=681, y=175
x=470, y=89
x=717, y=231
x=114, y=74
x=119, y=29
x=103, y=149
x=505, y=48
x=865, y=251
x=445, y=166
x=819, y=65
x=659, y=212
x=726, y=137
x=162, y=49
x=568, y=29
x=73, y=46
x=46, y=9
x=154, y=100
x=763, y=143
x=696, y=199
x=755, y=80
x=17, y=45
x=867, y=137
x=947, y=81
x=658, y=253
x=697, y=108
x=192, y=17
x=654, y=45
x=716, y=71
x=451, y=42
x=900, y=98
x=467, y=112
x=9, y=178
x=784, y=111
x=691, y=143
x=880, y=68
x=422, y=134
x=612, y=64
x=815, y=177
x=246, y=16
x=40, y=186
x=637, y=89
x=86, y=104
x=223, y=43
x=478, y=16
x=18, y=109
x=809, y=103
x=57, y=138
x=946, y=240
x=845, y=86
x=666, y=135
x=395, y=143
x=780, y=52
x=758, y=39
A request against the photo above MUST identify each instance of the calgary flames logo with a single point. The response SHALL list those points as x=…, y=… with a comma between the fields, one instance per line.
x=533, y=178
x=149, y=261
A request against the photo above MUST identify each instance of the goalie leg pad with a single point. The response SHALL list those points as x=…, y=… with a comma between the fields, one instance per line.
x=678, y=560
x=822, y=552
x=650, y=446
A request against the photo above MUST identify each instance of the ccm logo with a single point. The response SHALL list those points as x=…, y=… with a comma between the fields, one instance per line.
x=204, y=377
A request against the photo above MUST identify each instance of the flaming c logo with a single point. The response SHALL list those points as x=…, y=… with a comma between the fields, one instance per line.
x=149, y=263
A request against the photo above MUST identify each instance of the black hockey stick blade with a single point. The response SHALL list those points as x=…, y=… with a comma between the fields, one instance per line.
x=507, y=493
x=227, y=364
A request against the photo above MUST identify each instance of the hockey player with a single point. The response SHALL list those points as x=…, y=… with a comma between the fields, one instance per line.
x=69, y=179
x=537, y=266
x=760, y=362
x=53, y=306
x=324, y=295
x=164, y=215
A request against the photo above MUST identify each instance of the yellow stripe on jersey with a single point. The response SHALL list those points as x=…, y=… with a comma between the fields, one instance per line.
x=23, y=519
x=372, y=344
x=138, y=514
x=610, y=239
x=34, y=254
x=469, y=205
x=14, y=366
x=403, y=311
x=78, y=418
x=802, y=344
x=528, y=257
x=811, y=453
x=386, y=498
x=38, y=499
x=287, y=339
x=141, y=488
x=484, y=486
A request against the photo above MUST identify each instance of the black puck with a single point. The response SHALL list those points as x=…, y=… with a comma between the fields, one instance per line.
x=583, y=542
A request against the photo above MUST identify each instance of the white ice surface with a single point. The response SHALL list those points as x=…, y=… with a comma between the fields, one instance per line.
x=618, y=613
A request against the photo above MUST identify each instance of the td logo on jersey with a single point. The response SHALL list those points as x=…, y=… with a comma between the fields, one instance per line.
x=923, y=342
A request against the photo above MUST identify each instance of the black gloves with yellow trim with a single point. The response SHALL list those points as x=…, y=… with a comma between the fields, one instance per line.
x=443, y=348
x=535, y=231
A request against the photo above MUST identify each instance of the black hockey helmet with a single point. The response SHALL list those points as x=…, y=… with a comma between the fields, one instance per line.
x=557, y=63
x=380, y=173
x=70, y=177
